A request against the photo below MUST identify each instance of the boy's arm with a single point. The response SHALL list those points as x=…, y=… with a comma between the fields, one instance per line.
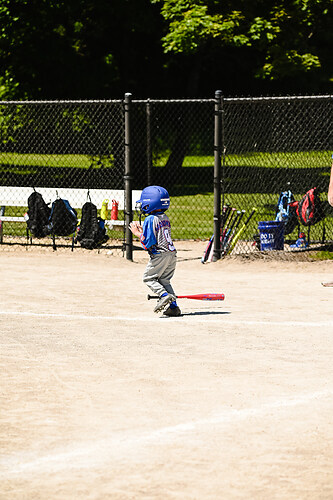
x=145, y=232
x=136, y=228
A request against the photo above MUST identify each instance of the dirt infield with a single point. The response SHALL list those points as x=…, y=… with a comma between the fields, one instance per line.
x=102, y=399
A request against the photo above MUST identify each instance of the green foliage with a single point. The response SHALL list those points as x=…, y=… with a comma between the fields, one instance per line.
x=70, y=49
x=282, y=34
x=280, y=64
x=323, y=255
x=9, y=88
x=75, y=49
x=191, y=26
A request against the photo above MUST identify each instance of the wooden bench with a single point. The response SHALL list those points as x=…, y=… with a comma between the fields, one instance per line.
x=13, y=196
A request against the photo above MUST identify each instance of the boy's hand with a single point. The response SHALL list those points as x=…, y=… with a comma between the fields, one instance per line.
x=136, y=228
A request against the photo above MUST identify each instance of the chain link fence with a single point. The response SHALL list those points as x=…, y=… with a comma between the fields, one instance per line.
x=65, y=145
x=173, y=143
x=271, y=145
x=262, y=146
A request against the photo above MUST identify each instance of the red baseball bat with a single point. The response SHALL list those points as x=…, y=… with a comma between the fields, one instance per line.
x=197, y=296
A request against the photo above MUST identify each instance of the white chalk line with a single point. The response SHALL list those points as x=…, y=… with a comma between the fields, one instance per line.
x=124, y=446
x=201, y=317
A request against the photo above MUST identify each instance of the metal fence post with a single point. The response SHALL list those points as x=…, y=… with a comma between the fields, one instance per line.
x=128, y=179
x=217, y=173
x=149, y=148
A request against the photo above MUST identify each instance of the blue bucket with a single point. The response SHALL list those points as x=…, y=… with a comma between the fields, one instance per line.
x=271, y=235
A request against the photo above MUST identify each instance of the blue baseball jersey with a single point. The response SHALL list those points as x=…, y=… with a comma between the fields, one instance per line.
x=156, y=234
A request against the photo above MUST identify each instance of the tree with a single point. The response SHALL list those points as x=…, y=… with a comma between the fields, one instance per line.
x=253, y=40
x=284, y=40
x=61, y=49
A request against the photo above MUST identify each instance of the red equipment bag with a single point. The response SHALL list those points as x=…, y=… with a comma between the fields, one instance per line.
x=310, y=208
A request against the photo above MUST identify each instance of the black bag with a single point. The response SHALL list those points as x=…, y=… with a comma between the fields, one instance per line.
x=38, y=213
x=63, y=218
x=91, y=233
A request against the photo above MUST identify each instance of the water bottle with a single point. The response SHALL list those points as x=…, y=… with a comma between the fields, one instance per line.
x=104, y=210
x=114, y=210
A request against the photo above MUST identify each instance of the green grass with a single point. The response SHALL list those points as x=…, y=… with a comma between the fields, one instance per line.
x=301, y=159
x=304, y=159
x=36, y=160
x=323, y=255
x=192, y=215
x=47, y=160
x=283, y=160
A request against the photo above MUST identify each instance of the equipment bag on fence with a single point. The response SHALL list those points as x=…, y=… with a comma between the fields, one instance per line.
x=63, y=218
x=91, y=233
x=310, y=208
x=38, y=215
x=286, y=212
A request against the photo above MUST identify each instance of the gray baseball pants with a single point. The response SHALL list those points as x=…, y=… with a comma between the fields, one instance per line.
x=159, y=271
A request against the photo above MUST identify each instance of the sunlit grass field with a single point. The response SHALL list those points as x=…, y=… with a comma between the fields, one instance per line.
x=303, y=159
x=191, y=215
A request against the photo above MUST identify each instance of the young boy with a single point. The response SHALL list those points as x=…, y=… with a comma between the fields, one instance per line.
x=155, y=237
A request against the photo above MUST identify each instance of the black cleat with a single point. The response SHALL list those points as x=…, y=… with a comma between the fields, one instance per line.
x=172, y=312
x=163, y=302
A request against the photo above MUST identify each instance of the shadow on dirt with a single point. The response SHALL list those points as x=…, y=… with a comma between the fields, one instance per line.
x=206, y=313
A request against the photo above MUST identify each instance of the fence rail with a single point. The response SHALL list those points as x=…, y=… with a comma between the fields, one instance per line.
x=208, y=153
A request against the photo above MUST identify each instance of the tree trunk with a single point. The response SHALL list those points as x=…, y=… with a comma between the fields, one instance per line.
x=183, y=134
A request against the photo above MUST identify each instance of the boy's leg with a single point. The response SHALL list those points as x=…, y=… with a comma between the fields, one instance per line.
x=169, y=271
x=151, y=275
x=173, y=309
x=159, y=272
x=157, y=276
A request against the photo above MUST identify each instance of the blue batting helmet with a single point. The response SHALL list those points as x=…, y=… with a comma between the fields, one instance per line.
x=153, y=198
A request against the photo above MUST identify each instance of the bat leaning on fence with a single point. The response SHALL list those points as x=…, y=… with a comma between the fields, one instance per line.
x=241, y=230
x=197, y=296
x=208, y=253
x=232, y=234
x=230, y=222
x=227, y=223
x=227, y=209
x=205, y=256
x=233, y=212
x=224, y=229
x=229, y=232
